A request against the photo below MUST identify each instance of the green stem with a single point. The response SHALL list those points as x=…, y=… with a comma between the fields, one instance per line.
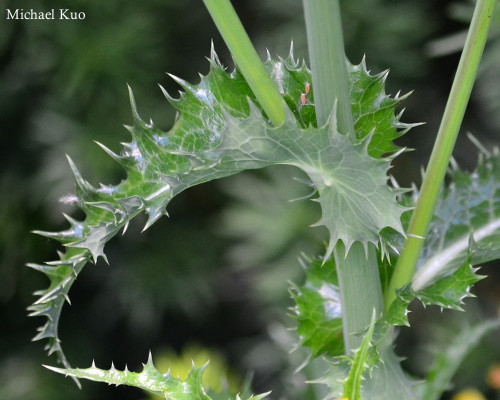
x=246, y=58
x=357, y=270
x=325, y=41
x=443, y=147
x=359, y=296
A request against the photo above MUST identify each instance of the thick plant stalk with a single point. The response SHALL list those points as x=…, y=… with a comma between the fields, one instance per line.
x=325, y=41
x=443, y=147
x=358, y=269
x=247, y=59
x=330, y=85
x=358, y=304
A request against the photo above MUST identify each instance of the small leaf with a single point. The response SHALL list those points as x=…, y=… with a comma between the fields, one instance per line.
x=448, y=292
x=464, y=232
x=466, y=222
x=149, y=379
x=387, y=379
x=352, y=385
x=373, y=110
x=318, y=309
x=383, y=377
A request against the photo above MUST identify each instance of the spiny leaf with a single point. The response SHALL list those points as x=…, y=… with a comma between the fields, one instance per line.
x=320, y=329
x=318, y=310
x=352, y=385
x=464, y=232
x=355, y=199
x=149, y=379
x=382, y=379
x=387, y=379
x=62, y=274
x=373, y=110
x=468, y=210
x=221, y=130
x=448, y=292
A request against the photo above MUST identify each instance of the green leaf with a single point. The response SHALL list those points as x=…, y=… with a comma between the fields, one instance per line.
x=318, y=310
x=466, y=222
x=352, y=385
x=149, y=379
x=219, y=131
x=62, y=275
x=449, y=358
x=373, y=110
x=380, y=376
x=355, y=200
x=387, y=380
x=465, y=232
x=448, y=292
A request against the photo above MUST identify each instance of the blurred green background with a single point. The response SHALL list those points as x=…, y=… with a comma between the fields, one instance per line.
x=214, y=275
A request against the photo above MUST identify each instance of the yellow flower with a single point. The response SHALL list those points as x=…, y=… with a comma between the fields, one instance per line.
x=469, y=394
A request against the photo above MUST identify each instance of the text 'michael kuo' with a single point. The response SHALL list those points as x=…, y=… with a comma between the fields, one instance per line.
x=53, y=14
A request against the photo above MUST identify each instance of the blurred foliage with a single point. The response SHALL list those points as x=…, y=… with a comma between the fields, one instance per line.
x=268, y=222
x=62, y=85
x=488, y=82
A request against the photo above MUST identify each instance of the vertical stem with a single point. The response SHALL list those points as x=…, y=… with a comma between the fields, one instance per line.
x=247, y=59
x=443, y=147
x=357, y=270
x=325, y=41
x=358, y=302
